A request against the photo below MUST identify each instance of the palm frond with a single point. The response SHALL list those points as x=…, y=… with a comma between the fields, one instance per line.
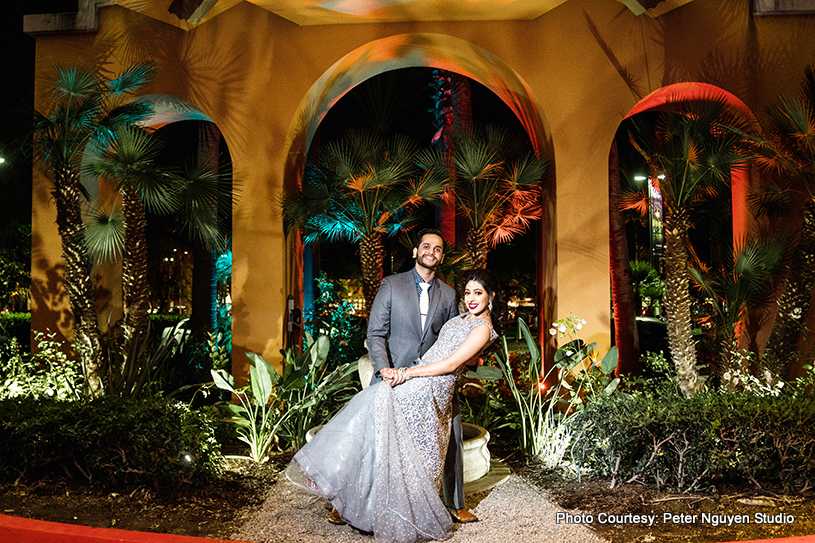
x=636, y=200
x=134, y=77
x=72, y=82
x=105, y=234
x=201, y=192
x=770, y=202
x=529, y=170
x=475, y=162
x=130, y=161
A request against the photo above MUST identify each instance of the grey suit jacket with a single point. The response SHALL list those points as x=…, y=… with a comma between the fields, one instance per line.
x=395, y=338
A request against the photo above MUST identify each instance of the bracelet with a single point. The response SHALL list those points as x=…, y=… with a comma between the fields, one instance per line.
x=403, y=373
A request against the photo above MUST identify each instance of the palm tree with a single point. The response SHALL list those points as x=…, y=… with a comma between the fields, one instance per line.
x=740, y=291
x=689, y=155
x=363, y=188
x=789, y=149
x=129, y=162
x=197, y=194
x=496, y=187
x=85, y=108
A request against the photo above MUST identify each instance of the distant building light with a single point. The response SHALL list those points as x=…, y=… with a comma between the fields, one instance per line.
x=640, y=178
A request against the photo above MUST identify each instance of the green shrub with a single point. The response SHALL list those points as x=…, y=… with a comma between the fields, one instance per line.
x=47, y=374
x=17, y=325
x=688, y=444
x=108, y=440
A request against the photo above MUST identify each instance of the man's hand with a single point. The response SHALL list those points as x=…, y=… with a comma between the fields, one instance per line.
x=392, y=376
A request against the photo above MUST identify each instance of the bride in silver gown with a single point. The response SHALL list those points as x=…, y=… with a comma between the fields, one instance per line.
x=379, y=460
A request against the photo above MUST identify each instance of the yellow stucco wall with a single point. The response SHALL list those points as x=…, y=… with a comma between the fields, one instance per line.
x=250, y=70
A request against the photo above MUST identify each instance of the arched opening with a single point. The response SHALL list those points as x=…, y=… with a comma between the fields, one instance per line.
x=188, y=265
x=636, y=318
x=430, y=51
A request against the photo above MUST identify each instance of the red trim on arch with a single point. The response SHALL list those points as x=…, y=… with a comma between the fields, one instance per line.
x=685, y=91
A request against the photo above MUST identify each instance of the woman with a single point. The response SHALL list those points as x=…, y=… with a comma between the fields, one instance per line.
x=379, y=460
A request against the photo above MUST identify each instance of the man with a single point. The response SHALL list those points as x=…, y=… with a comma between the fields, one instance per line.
x=408, y=312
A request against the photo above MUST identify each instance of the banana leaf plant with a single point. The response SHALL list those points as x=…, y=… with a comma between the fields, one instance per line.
x=289, y=400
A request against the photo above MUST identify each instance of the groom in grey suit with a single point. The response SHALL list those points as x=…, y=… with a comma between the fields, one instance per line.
x=396, y=338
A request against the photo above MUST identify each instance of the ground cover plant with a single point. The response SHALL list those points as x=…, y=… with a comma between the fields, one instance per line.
x=60, y=491
x=107, y=440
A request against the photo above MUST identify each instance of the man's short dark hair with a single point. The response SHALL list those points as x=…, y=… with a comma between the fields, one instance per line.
x=424, y=231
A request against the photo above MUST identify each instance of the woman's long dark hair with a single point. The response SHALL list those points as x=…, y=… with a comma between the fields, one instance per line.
x=485, y=278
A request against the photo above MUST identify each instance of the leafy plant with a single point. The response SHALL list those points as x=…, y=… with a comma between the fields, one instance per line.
x=258, y=416
x=309, y=388
x=544, y=414
x=49, y=373
x=692, y=443
x=272, y=401
x=481, y=401
x=109, y=440
x=593, y=380
x=649, y=288
x=141, y=369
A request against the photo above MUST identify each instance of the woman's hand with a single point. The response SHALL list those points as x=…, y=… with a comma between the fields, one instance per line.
x=393, y=376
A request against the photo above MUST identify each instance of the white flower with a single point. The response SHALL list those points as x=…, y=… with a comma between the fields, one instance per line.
x=583, y=321
x=569, y=353
x=578, y=326
x=562, y=328
x=552, y=331
x=796, y=313
x=726, y=376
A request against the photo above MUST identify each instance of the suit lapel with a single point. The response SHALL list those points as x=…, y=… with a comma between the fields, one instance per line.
x=410, y=289
x=434, y=304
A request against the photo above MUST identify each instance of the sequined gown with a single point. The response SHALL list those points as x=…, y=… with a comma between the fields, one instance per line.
x=380, y=459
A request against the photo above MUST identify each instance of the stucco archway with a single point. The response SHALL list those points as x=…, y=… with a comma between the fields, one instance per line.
x=431, y=51
x=165, y=110
x=624, y=329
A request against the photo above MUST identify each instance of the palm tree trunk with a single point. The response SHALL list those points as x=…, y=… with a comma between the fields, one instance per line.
x=677, y=301
x=134, y=272
x=476, y=247
x=78, y=284
x=371, y=256
x=794, y=303
x=728, y=346
x=626, y=337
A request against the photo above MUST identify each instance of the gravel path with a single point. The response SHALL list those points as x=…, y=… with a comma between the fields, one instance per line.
x=512, y=512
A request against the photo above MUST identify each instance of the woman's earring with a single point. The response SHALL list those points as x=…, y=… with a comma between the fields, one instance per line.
x=490, y=305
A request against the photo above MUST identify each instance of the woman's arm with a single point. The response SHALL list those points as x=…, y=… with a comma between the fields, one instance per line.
x=468, y=350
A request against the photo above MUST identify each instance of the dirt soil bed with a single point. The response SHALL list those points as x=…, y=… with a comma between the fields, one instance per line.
x=715, y=516
x=219, y=510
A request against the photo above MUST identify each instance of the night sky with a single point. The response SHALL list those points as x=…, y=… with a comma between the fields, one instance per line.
x=16, y=101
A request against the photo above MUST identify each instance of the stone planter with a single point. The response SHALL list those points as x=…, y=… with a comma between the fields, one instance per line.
x=476, y=455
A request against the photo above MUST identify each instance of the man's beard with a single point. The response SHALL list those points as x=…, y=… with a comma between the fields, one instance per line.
x=420, y=262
